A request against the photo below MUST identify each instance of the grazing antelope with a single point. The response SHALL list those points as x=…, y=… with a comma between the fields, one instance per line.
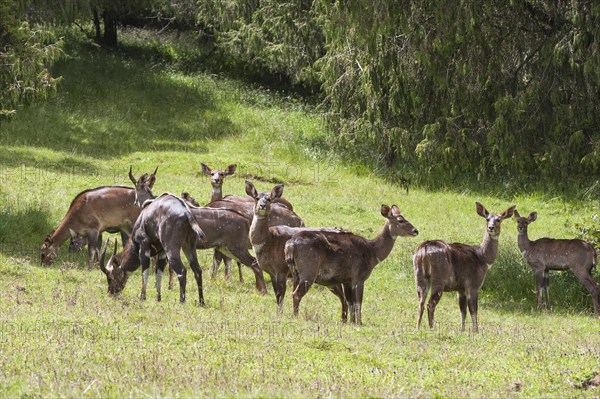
x=457, y=267
x=282, y=214
x=165, y=227
x=547, y=254
x=93, y=207
x=342, y=261
x=91, y=212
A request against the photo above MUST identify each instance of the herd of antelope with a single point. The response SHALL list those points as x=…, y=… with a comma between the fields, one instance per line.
x=165, y=226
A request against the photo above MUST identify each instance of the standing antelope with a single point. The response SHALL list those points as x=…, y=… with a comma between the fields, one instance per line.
x=282, y=213
x=225, y=230
x=342, y=261
x=164, y=228
x=269, y=241
x=547, y=254
x=457, y=267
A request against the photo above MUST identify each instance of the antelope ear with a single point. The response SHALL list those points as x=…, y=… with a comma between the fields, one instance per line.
x=508, y=213
x=230, y=170
x=385, y=210
x=277, y=191
x=516, y=214
x=532, y=217
x=481, y=211
x=152, y=179
x=131, y=175
x=251, y=190
x=205, y=168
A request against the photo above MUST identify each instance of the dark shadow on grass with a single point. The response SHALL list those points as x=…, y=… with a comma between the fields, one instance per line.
x=33, y=167
x=19, y=232
x=109, y=105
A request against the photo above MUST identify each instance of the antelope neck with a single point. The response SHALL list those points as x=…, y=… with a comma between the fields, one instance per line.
x=523, y=241
x=259, y=230
x=489, y=248
x=62, y=233
x=383, y=244
x=217, y=194
x=130, y=261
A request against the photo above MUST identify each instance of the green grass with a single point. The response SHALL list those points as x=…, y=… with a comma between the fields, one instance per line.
x=62, y=335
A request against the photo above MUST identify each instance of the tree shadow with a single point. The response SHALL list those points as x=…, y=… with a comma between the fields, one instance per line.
x=109, y=105
x=19, y=229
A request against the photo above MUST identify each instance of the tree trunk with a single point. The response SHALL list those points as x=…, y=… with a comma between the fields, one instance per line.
x=96, y=23
x=110, y=28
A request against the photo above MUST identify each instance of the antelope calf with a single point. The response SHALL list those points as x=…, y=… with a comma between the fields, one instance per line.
x=342, y=261
x=547, y=254
x=165, y=227
x=457, y=267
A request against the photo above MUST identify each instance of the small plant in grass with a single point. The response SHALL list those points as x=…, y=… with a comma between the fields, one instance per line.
x=589, y=230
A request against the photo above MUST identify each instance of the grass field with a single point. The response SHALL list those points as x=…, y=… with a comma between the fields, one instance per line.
x=62, y=335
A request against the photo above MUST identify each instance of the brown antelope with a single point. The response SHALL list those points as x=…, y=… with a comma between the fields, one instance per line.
x=282, y=214
x=342, y=261
x=216, y=179
x=165, y=227
x=225, y=229
x=269, y=241
x=457, y=267
x=547, y=254
x=145, y=183
x=91, y=212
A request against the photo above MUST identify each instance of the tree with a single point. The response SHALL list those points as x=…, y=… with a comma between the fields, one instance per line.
x=26, y=55
x=106, y=15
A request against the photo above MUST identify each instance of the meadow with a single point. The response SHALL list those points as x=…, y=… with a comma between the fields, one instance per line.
x=62, y=335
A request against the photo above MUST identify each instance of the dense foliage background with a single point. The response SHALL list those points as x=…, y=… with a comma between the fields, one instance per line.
x=438, y=92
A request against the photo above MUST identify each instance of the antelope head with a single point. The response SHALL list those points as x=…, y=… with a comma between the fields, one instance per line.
x=217, y=176
x=47, y=250
x=143, y=186
x=115, y=275
x=262, y=201
x=398, y=225
x=494, y=220
x=522, y=222
x=77, y=243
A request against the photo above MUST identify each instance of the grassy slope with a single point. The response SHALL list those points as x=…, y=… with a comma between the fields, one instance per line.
x=61, y=335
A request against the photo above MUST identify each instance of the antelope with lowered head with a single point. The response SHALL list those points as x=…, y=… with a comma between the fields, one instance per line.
x=547, y=254
x=165, y=227
x=342, y=261
x=440, y=267
x=146, y=183
x=282, y=213
x=91, y=212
